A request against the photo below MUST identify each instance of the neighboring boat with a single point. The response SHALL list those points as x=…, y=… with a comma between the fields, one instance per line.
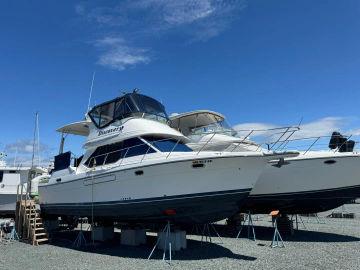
x=10, y=178
x=137, y=169
x=311, y=182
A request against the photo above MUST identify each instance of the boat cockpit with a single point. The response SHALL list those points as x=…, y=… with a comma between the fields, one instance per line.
x=129, y=105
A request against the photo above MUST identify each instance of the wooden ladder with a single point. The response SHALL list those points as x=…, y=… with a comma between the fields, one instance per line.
x=29, y=224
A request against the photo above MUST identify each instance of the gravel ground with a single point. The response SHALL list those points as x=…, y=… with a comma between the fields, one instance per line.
x=334, y=244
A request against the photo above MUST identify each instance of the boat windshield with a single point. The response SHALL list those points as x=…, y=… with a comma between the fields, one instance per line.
x=129, y=105
x=220, y=127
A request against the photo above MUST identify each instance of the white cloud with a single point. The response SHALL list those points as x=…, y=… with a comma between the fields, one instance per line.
x=102, y=15
x=23, y=147
x=199, y=19
x=186, y=11
x=116, y=54
x=322, y=127
x=195, y=20
x=21, y=151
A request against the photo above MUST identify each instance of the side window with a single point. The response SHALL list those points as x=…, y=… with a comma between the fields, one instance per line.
x=1, y=176
x=119, y=109
x=136, y=147
x=167, y=145
x=95, y=115
x=124, y=108
x=111, y=153
x=107, y=114
x=103, y=115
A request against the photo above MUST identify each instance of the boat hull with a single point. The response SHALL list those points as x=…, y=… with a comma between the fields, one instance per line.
x=306, y=185
x=185, y=209
x=177, y=191
x=7, y=204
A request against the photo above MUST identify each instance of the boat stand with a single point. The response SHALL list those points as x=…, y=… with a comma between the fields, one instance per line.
x=206, y=232
x=80, y=239
x=297, y=222
x=319, y=220
x=250, y=227
x=277, y=240
x=13, y=235
x=167, y=243
x=1, y=234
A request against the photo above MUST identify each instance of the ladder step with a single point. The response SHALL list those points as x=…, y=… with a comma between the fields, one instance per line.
x=32, y=210
x=36, y=223
x=39, y=234
x=42, y=240
x=36, y=218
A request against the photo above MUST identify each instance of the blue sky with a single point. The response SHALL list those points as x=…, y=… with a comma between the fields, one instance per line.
x=264, y=62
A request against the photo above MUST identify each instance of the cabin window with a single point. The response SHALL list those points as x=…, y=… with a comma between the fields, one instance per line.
x=167, y=145
x=107, y=113
x=11, y=171
x=112, y=153
x=95, y=115
x=221, y=127
x=1, y=176
x=124, y=108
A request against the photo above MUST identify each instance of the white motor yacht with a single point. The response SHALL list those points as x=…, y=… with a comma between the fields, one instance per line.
x=137, y=169
x=311, y=182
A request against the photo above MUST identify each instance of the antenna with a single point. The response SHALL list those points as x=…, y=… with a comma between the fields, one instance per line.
x=38, y=139
x=35, y=138
x=91, y=89
x=15, y=158
x=300, y=121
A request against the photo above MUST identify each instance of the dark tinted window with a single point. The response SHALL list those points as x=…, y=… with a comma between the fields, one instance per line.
x=111, y=153
x=167, y=145
x=95, y=115
x=107, y=114
x=1, y=176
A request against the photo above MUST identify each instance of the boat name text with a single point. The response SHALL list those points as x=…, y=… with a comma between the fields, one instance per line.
x=110, y=130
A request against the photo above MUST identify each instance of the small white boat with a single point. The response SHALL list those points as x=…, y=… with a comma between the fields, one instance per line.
x=10, y=178
x=311, y=182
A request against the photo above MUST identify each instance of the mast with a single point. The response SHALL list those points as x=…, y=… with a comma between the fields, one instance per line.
x=15, y=158
x=38, y=140
x=91, y=89
x=35, y=146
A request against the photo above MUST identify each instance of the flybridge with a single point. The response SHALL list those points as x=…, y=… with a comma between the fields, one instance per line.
x=129, y=105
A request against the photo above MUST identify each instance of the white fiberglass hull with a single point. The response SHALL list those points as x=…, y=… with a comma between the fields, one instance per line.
x=198, y=189
x=310, y=183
